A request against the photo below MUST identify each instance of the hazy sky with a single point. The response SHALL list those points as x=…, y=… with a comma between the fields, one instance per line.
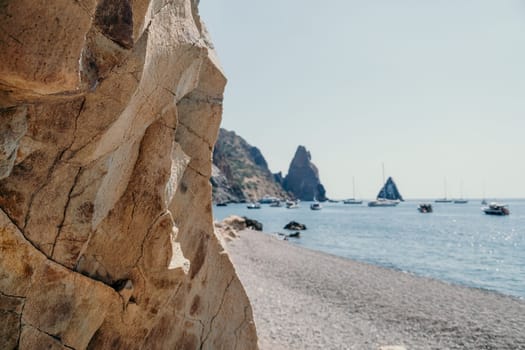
x=433, y=89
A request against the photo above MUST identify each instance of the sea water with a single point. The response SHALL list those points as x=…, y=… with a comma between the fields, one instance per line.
x=457, y=243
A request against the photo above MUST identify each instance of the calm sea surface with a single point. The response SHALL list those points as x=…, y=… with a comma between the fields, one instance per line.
x=457, y=243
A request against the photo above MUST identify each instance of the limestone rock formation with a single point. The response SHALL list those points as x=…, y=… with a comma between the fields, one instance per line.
x=242, y=172
x=229, y=227
x=303, y=177
x=109, y=110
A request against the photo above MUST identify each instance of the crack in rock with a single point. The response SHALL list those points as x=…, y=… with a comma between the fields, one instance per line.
x=217, y=313
x=66, y=206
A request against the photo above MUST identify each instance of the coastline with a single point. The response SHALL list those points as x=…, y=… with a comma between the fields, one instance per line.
x=305, y=299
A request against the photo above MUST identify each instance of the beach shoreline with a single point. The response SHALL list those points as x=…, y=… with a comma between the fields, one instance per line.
x=305, y=299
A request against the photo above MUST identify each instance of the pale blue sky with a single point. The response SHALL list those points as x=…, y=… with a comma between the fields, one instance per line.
x=433, y=89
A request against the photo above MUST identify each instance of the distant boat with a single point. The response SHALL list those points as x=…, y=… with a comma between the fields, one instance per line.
x=275, y=204
x=381, y=202
x=444, y=199
x=352, y=200
x=388, y=196
x=425, y=208
x=292, y=205
x=253, y=205
x=316, y=206
x=461, y=200
x=484, y=201
x=222, y=204
x=496, y=209
x=267, y=200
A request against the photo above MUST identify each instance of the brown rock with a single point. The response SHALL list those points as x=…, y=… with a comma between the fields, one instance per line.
x=109, y=111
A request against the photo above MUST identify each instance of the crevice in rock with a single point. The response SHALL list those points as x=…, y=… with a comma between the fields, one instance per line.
x=194, y=133
x=37, y=191
x=243, y=322
x=20, y=325
x=166, y=125
x=75, y=130
x=11, y=296
x=170, y=92
x=198, y=172
x=199, y=98
x=61, y=225
x=14, y=223
x=132, y=215
x=56, y=262
x=55, y=337
x=203, y=341
x=30, y=242
x=11, y=36
x=148, y=232
x=52, y=169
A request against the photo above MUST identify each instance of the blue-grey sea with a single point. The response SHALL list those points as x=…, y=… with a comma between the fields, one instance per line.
x=457, y=243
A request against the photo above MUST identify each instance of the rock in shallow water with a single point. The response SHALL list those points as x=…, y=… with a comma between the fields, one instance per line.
x=295, y=226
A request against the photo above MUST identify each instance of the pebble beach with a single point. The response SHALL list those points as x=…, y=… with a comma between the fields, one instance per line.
x=303, y=299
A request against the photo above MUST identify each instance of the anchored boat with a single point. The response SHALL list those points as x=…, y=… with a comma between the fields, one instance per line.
x=388, y=196
x=496, y=209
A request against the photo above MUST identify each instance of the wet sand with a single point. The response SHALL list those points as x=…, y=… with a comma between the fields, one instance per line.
x=304, y=299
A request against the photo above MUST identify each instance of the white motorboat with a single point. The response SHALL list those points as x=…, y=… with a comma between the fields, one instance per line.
x=253, y=205
x=382, y=202
x=292, y=205
x=316, y=206
x=496, y=209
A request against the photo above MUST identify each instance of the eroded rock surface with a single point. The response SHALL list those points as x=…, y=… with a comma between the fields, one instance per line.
x=109, y=111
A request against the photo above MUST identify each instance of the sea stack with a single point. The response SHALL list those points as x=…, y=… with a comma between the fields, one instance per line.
x=390, y=191
x=303, y=178
x=109, y=111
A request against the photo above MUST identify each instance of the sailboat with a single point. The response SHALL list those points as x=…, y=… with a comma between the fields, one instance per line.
x=484, y=201
x=388, y=196
x=461, y=200
x=352, y=200
x=444, y=199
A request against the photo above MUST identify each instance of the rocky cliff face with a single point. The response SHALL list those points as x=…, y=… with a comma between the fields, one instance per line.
x=242, y=172
x=109, y=110
x=303, y=177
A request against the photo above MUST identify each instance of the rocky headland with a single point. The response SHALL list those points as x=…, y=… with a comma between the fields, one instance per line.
x=109, y=113
x=240, y=171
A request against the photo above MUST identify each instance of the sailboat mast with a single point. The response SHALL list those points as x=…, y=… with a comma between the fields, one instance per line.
x=384, y=183
x=353, y=185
